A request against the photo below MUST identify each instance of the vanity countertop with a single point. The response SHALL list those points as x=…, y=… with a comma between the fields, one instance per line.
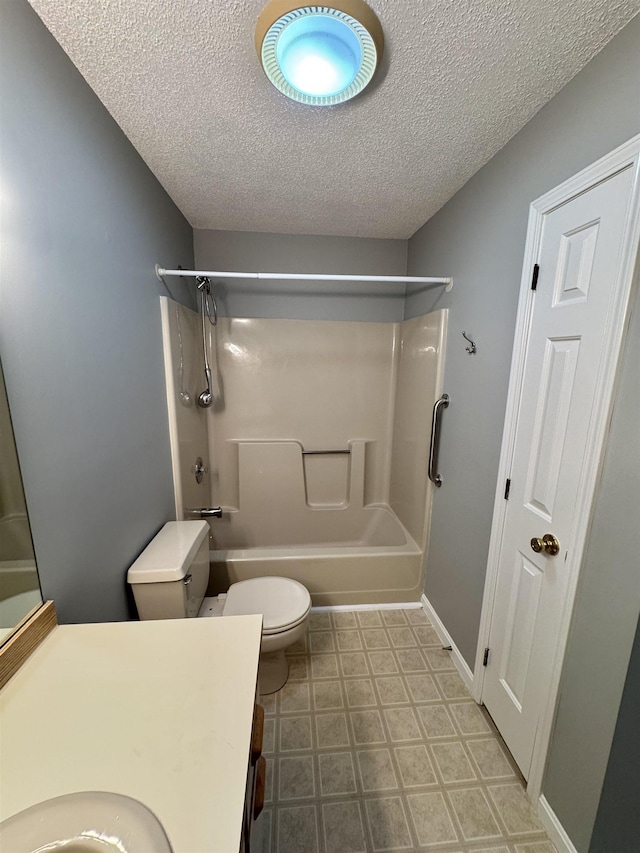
x=160, y=711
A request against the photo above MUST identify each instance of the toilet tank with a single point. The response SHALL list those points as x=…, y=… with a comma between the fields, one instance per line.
x=169, y=579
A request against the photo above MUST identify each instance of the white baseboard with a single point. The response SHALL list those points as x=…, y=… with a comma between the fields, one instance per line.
x=403, y=605
x=461, y=665
x=555, y=830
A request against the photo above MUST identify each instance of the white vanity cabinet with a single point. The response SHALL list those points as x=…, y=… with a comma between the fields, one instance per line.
x=161, y=711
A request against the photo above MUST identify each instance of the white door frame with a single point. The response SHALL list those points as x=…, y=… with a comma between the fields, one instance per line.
x=626, y=156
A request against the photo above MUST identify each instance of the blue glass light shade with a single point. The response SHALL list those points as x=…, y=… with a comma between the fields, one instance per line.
x=319, y=55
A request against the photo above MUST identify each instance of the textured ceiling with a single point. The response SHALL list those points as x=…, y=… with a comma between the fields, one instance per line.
x=458, y=80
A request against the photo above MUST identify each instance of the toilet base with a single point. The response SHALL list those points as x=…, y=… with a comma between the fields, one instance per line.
x=273, y=671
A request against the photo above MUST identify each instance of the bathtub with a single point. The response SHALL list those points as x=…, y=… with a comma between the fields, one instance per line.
x=15, y=540
x=316, y=449
x=344, y=557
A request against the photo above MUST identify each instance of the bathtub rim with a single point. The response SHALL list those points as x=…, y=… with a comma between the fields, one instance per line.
x=294, y=552
x=407, y=546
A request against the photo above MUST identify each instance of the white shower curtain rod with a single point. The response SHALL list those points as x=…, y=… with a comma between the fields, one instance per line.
x=274, y=276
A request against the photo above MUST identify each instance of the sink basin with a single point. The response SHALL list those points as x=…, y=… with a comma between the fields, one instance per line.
x=86, y=822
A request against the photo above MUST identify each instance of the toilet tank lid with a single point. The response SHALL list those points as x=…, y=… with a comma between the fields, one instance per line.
x=170, y=553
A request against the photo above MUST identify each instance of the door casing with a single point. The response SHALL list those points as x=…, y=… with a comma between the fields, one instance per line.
x=626, y=156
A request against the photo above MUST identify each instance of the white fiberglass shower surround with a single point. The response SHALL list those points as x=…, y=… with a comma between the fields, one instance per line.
x=316, y=448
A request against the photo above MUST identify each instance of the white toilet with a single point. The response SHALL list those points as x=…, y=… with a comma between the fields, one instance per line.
x=169, y=580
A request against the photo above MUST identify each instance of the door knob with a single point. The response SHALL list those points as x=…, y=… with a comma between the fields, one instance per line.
x=548, y=543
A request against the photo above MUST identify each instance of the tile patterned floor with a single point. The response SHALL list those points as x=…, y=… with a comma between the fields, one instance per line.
x=374, y=744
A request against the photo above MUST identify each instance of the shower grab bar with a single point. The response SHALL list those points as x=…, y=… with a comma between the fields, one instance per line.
x=323, y=452
x=441, y=404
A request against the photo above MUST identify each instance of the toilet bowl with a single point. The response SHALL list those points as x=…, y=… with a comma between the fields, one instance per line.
x=169, y=580
x=285, y=605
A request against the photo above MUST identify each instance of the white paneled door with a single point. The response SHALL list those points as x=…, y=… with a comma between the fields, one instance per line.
x=571, y=315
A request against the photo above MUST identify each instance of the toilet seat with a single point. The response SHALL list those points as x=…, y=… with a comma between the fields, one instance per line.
x=268, y=632
x=283, y=603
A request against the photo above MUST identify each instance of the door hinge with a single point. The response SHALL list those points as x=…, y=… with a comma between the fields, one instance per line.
x=534, y=277
x=485, y=659
x=507, y=487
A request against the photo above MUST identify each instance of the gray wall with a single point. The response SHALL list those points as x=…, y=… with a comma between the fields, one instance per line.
x=80, y=336
x=478, y=238
x=617, y=828
x=254, y=252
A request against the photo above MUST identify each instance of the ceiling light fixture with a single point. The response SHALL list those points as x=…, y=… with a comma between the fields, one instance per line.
x=319, y=55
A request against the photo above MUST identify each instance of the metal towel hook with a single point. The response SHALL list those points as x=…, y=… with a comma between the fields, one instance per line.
x=473, y=348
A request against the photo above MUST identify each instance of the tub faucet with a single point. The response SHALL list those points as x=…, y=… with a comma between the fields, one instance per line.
x=207, y=512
